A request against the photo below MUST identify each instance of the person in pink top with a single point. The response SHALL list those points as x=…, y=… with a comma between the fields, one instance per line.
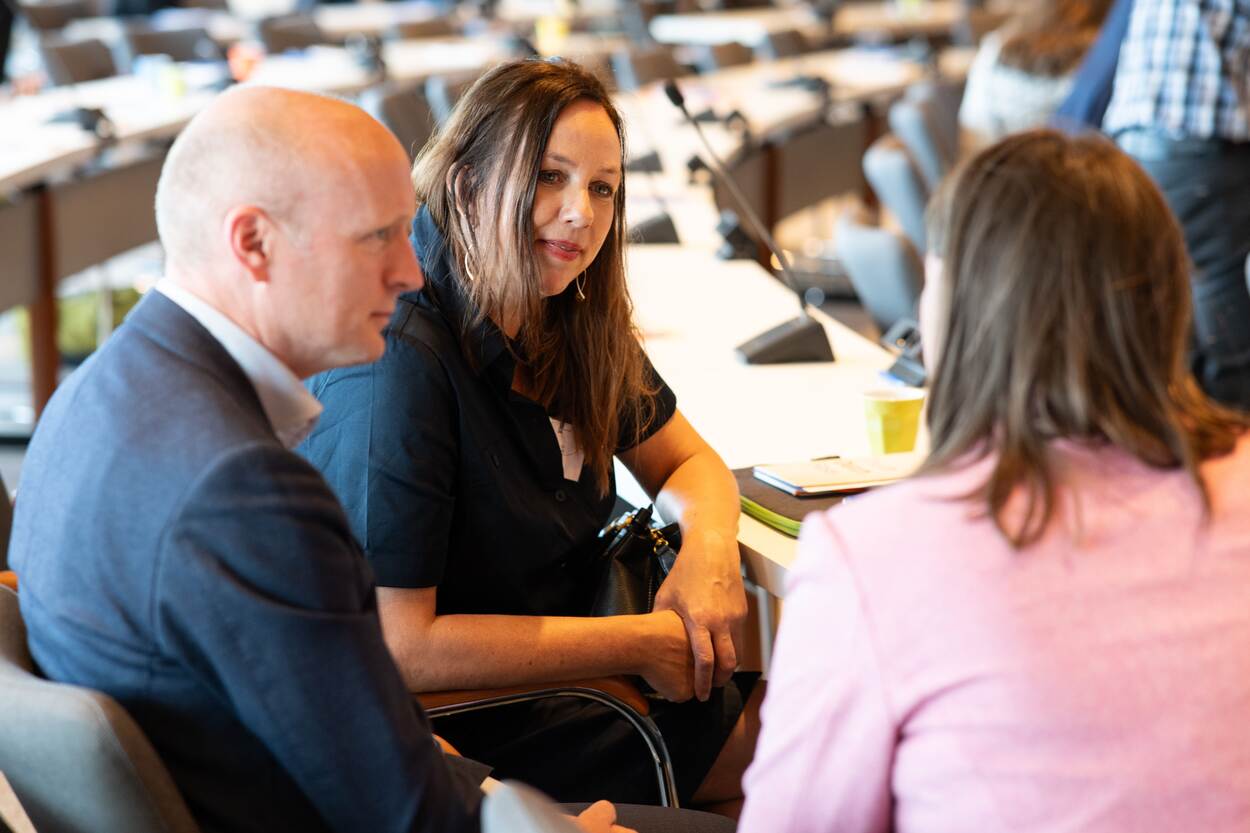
x=1048, y=628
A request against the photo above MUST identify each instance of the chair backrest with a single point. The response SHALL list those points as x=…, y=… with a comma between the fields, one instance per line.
x=289, y=32
x=713, y=57
x=75, y=759
x=442, y=92
x=638, y=66
x=785, y=43
x=883, y=268
x=599, y=65
x=73, y=62
x=404, y=111
x=893, y=176
x=926, y=121
x=439, y=27
x=51, y=15
x=193, y=44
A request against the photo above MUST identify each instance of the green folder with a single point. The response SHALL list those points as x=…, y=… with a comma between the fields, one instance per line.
x=766, y=516
x=773, y=507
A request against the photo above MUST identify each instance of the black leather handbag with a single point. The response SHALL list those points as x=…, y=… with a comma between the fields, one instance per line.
x=633, y=562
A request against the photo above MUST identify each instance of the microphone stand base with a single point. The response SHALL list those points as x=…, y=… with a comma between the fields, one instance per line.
x=801, y=339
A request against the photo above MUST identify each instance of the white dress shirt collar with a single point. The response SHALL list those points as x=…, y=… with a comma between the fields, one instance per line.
x=291, y=410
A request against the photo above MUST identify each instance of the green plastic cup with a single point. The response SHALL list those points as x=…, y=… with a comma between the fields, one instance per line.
x=893, y=416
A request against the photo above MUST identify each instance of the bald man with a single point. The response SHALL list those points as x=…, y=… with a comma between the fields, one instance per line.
x=174, y=553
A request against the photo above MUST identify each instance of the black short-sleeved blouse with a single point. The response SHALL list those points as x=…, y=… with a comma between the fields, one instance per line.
x=449, y=477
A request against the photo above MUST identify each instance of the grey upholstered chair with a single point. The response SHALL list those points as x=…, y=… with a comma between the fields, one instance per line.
x=193, y=44
x=925, y=120
x=883, y=268
x=76, y=760
x=784, y=43
x=713, y=57
x=638, y=66
x=73, y=62
x=404, y=110
x=899, y=186
x=438, y=27
x=52, y=15
x=442, y=92
x=290, y=32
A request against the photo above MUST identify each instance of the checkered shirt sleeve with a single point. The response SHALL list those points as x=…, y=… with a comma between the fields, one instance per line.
x=1185, y=70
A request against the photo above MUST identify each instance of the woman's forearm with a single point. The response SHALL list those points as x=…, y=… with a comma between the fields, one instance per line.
x=702, y=496
x=465, y=651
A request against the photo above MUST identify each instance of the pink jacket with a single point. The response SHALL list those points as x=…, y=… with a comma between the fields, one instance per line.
x=929, y=678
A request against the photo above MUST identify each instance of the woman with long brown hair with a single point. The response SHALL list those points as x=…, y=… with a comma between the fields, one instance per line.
x=1046, y=628
x=475, y=459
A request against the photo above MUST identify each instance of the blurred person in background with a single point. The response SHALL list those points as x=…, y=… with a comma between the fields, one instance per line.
x=1180, y=106
x=1023, y=71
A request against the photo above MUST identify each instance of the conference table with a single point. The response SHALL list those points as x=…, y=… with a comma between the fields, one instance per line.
x=81, y=209
x=693, y=309
x=890, y=21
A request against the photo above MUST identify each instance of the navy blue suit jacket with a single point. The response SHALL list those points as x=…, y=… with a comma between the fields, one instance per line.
x=173, y=554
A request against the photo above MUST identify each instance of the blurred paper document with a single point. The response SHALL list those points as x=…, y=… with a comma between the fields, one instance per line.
x=838, y=474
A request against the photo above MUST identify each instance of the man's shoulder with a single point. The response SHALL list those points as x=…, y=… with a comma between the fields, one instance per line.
x=161, y=378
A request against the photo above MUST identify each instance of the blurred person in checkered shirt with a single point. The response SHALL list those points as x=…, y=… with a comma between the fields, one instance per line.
x=1181, y=107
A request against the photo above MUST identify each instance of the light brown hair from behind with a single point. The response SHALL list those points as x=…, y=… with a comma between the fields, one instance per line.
x=477, y=178
x=1066, y=312
x=1050, y=37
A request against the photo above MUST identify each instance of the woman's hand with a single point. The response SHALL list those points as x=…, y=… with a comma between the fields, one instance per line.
x=705, y=590
x=668, y=666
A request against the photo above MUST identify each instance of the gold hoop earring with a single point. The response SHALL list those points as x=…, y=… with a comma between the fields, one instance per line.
x=468, y=273
x=581, y=281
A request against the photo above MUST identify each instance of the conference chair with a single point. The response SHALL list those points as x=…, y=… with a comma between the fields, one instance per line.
x=635, y=18
x=925, y=120
x=192, y=44
x=615, y=693
x=898, y=184
x=884, y=269
x=405, y=112
x=439, y=27
x=713, y=57
x=785, y=43
x=74, y=62
x=443, y=91
x=598, y=65
x=637, y=67
x=53, y=15
x=75, y=758
x=289, y=32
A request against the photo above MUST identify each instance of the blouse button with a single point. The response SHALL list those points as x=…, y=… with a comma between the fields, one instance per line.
x=561, y=496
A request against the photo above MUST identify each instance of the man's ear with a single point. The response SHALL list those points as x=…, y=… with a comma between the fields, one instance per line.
x=250, y=235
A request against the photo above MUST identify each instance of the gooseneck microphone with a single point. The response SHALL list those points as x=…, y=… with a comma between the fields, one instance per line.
x=801, y=339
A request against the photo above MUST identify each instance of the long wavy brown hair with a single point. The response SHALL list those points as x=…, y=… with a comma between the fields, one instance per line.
x=1065, y=309
x=1050, y=37
x=477, y=178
